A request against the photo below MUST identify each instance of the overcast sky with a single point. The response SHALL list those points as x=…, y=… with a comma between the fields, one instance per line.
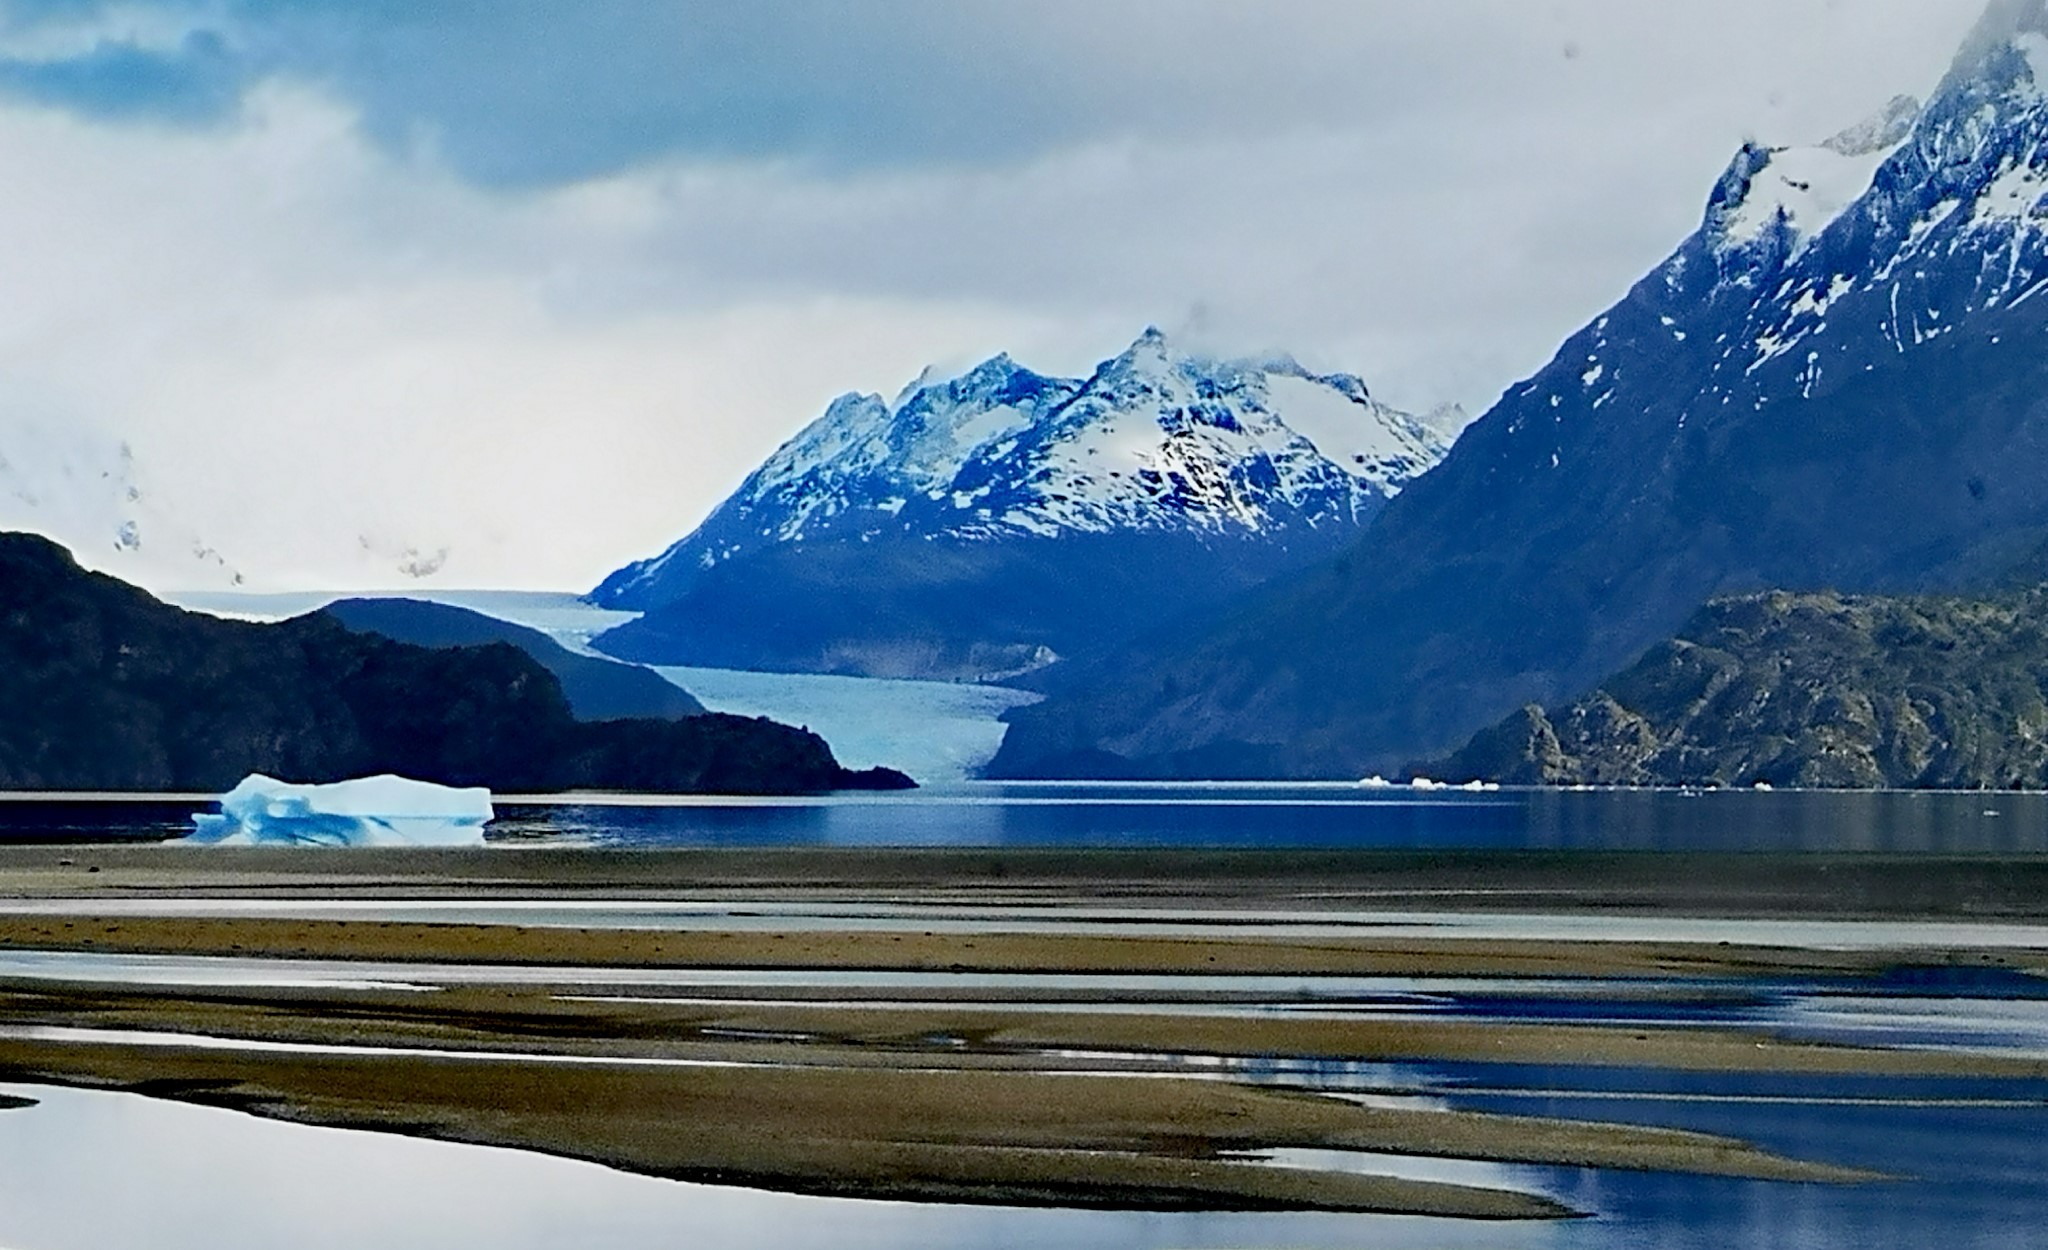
x=541, y=281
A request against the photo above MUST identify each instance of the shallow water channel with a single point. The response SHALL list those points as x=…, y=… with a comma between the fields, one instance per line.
x=193, y=1177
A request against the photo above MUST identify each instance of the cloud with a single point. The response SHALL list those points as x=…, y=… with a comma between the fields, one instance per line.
x=540, y=283
x=198, y=83
x=310, y=343
x=523, y=93
x=533, y=92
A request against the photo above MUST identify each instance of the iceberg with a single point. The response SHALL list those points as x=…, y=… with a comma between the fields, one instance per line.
x=365, y=811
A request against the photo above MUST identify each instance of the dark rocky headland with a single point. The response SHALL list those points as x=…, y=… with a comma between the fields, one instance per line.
x=106, y=688
x=1819, y=690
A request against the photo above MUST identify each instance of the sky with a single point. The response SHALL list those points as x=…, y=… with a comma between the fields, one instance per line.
x=535, y=284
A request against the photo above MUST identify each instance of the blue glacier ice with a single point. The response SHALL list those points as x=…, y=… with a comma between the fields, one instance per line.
x=935, y=731
x=366, y=811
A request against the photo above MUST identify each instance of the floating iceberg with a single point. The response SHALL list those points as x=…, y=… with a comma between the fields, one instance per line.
x=368, y=811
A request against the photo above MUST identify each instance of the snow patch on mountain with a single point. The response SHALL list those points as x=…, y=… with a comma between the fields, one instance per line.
x=1912, y=224
x=89, y=492
x=1796, y=192
x=1155, y=439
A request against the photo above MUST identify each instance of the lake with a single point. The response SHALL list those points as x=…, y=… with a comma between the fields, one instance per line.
x=1071, y=814
x=1964, y=1156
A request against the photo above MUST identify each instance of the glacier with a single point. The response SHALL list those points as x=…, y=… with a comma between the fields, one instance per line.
x=934, y=731
x=367, y=811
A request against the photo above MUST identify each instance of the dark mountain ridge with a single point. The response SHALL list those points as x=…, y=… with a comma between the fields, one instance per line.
x=987, y=525
x=597, y=689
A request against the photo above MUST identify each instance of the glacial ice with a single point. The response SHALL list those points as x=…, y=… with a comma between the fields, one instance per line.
x=935, y=731
x=365, y=811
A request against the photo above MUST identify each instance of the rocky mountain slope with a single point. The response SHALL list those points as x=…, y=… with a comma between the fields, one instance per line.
x=1805, y=690
x=109, y=689
x=1837, y=381
x=597, y=689
x=985, y=524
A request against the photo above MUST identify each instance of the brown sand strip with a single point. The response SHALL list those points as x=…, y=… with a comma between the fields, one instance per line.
x=1795, y=885
x=934, y=952
x=1011, y=1137
x=511, y=1018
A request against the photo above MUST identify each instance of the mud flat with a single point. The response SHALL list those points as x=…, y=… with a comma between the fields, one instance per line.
x=917, y=1131
x=934, y=1097
x=1748, y=885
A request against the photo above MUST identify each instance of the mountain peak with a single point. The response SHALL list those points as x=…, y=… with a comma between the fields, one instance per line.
x=1882, y=130
x=2007, y=27
x=1148, y=352
x=996, y=369
x=1156, y=439
x=916, y=384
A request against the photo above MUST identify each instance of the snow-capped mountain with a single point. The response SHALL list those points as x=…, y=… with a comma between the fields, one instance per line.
x=1156, y=439
x=1242, y=468
x=1911, y=223
x=89, y=493
x=1837, y=381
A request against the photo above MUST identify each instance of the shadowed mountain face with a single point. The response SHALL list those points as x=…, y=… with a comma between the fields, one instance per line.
x=109, y=689
x=987, y=525
x=597, y=689
x=1803, y=690
x=1838, y=381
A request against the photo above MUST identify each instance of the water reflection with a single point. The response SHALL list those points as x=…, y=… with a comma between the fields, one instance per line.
x=194, y=1178
x=1969, y=1176
x=1222, y=815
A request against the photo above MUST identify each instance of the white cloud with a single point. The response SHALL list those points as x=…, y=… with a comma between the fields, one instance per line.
x=307, y=344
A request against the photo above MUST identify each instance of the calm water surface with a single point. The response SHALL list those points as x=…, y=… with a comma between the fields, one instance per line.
x=987, y=814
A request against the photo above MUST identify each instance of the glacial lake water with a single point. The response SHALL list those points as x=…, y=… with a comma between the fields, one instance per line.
x=1327, y=816
x=89, y=1170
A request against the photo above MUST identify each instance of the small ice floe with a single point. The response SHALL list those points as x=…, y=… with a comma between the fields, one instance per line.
x=1477, y=786
x=366, y=811
x=1761, y=785
x=1376, y=782
x=1424, y=783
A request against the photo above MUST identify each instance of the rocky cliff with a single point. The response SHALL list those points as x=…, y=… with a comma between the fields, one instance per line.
x=1803, y=690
